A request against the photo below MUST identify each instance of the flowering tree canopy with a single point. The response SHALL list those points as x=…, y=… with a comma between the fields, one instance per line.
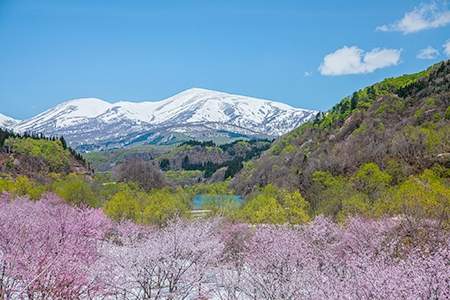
x=50, y=250
x=47, y=247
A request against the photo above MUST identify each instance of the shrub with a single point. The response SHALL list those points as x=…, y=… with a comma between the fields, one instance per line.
x=163, y=205
x=123, y=206
x=22, y=186
x=327, y=193
x=76, y=190
x=370, y=180
x=145, y=173
x=276, y=206
x=419, y=197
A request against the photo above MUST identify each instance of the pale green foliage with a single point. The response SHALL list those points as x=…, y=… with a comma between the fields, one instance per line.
x=396, y=170
x=154, y=207
x=218, y=188
x=22, y=186
x=76, y=190
x=263, y=209
x=52, y=152
x=123, y=206
x=275, y=206
x=434, y=139
x=162, y=205
x=180, y=175
x=423, y=196
x=328, y=192
x=370, y=180
x=356, y=205
x=296, y=207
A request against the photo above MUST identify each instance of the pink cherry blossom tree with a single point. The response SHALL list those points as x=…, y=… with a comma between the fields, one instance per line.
x=364, y=259
x=47, y=247
x=168, y=263
x=51, y=250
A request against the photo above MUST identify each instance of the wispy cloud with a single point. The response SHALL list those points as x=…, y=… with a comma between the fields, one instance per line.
x=428, y=53
x=307, y=74
x=353, y=60
x=426, y=16
x=446, y=47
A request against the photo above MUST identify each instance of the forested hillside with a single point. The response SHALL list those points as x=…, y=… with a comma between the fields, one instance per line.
x=37, y=156
x=209, y=158
x=367, y=143
x=401, y=124
x=187, y=163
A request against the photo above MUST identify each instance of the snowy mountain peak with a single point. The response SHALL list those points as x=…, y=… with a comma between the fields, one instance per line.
x=66, y=114
x=195, y=113
x=85, y=106
x=7, y=122
x=84, y=101
x=205, y=94
x=197, y=90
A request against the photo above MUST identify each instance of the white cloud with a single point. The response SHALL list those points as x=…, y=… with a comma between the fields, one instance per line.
x=446, y=47
x=307, y=74
x=426, y=16
x=428, y=53
x=352, y=60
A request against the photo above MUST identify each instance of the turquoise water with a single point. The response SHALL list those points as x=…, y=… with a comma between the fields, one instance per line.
x=200, y=200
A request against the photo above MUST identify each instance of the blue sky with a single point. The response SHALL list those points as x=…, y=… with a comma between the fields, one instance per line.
x=289, y=51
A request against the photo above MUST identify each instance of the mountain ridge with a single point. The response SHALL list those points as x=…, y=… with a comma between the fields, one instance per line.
x=195, y=113
x=7, y=122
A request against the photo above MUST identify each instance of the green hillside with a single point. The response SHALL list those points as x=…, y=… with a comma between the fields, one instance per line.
x=368, y=143
x=37, y=156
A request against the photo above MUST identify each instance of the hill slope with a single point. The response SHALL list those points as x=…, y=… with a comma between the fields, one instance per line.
x=401, y=124
x=38, y=157
x=188, y=163
x=193, y=114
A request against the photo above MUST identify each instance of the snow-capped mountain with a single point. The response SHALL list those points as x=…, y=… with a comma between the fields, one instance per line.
x=7, y=122
x=91, y=123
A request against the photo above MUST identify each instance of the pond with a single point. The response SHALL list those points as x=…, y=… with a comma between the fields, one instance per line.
x=201, y=201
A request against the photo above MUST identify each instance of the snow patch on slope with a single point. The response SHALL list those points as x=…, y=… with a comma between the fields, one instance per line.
x=92, y=119
x=7, y=122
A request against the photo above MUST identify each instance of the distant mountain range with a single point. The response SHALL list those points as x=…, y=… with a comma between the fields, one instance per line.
x=7, y=122
x=93, y=124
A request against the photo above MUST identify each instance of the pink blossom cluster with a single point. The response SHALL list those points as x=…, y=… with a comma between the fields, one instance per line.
x=175, y=262
x=50, y=250
x=47, y=248
x=365, y=259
